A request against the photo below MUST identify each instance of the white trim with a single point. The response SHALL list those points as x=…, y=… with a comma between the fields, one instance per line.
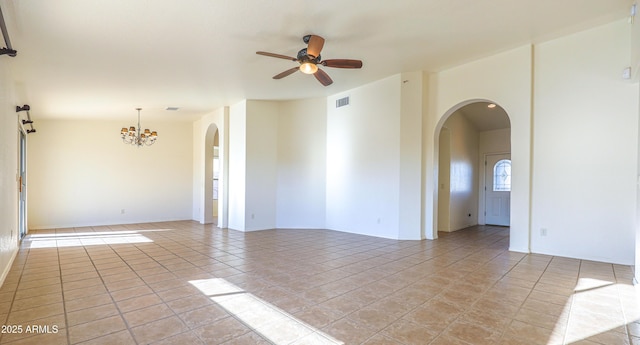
x=7, y=269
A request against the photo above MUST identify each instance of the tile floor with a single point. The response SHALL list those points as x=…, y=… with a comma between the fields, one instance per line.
x=186, y=283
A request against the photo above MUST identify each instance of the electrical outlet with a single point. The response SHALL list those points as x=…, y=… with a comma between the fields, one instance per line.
x=122, y=211
x=543, y=231
x=378, y=220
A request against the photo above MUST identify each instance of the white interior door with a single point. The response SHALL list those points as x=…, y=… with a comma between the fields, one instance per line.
x=497, y=188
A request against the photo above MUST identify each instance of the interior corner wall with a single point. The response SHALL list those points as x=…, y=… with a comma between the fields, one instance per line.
x=585, y=146
x=261, y=164
x=634, y=39
x=198, y=170
x=237, y=164
x=504, y=79
x=363, y=163
x=635, y=70
x=637, y=261
x=301, y=176
x=92, y=178
x=493, y=141
x=430, y=158
x=463, y=199
x=410, y=153
x=444, y=180
x=8, y=169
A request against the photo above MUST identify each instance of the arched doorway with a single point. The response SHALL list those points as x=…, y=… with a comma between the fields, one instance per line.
x=215, y=210
x=468, y=137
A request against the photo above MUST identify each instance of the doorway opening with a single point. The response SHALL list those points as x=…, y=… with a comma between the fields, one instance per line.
x=214, y=207
x=469, y=138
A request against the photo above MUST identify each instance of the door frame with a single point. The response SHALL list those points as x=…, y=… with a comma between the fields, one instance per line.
x=223, y=200
x=23, y=228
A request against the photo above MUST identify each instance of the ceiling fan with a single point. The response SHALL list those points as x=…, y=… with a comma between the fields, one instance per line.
x=309, y=59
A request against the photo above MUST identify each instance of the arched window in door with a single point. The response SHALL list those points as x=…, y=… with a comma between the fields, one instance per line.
x=502, y=176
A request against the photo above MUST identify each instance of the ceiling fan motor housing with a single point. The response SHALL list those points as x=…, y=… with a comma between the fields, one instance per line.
x=306, y=39
x=304, y=57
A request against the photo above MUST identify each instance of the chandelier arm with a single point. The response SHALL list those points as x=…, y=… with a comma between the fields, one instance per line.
x=137, y=137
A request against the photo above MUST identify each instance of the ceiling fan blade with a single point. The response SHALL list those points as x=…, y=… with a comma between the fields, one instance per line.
x=342, y=63
x=315, y=45
x=286, y=73
x=277, y=56
x=323, y=77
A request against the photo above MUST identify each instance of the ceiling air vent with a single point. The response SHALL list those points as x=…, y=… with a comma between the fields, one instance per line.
x=342, y=102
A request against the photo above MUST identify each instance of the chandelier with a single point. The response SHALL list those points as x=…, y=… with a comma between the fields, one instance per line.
x=138, y=137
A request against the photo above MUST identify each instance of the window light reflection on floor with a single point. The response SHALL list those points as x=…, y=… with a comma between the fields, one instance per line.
x=584, y=315
x=586, y=284
x=73, y=239
x=272, y=323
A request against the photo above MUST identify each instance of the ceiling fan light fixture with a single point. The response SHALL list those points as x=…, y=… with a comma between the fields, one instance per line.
x=308, y=68
x=309, y=58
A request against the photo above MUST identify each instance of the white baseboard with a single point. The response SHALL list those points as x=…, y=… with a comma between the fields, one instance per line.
x=5, y=271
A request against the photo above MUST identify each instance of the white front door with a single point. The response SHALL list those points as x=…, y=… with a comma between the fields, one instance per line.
x=497, y=201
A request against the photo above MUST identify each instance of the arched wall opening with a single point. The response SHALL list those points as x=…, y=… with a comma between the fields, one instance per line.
x=214, y=204
x=466, y=136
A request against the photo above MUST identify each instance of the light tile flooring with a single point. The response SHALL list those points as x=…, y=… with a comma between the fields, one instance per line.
x=186, y=283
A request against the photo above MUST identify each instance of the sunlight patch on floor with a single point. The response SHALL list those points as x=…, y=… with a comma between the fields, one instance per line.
x=90, y=238
x=271, y=322
x=589, y=312
x=585, y=284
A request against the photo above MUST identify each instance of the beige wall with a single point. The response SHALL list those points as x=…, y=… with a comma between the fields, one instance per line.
x=278, y=147
x=253, y=147
x=80, y=173
x=444, y=180
x=8, y=169
x=463, y=172
x=237, y=164
x=637, y=261
x=585, y=146
x=262, y=165
x=363, y=160
x=634, y=39
x=302, y=157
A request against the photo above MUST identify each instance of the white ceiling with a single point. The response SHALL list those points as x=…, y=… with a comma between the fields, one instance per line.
x=102, y=59
x=484, y=118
